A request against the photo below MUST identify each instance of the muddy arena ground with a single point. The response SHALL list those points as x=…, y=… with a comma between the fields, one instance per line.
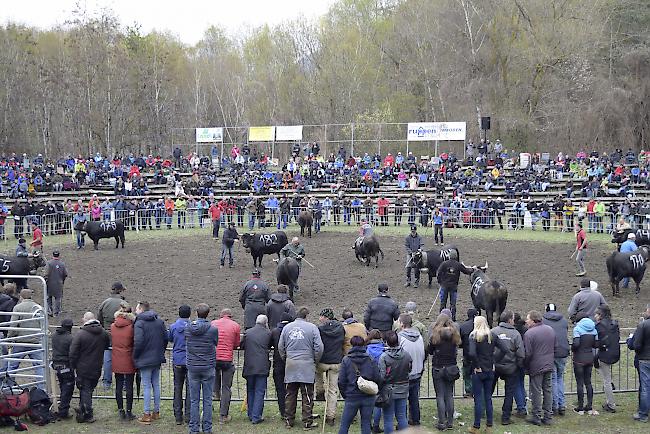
x=183, y=268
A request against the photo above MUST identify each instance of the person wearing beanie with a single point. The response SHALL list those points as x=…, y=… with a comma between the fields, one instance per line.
x=585, y=301
x=560, y=326
x=229, y=339
x=381, y=311
x=55, y=275
x=465, y=329
x=61, y=341
x=21, y=248
x=332, y=334
x=176, y=335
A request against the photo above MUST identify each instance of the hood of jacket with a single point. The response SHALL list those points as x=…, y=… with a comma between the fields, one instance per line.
x=332, y=329
x=279, y=297
x=199, y=327
x=93, y=327
x=149, y=315
x=63, y=331
x=350, y=321
x=396, y=353
x=358, y=354
x=123, y=319
x=585, y=326
x=411, y=334
x=553, y=316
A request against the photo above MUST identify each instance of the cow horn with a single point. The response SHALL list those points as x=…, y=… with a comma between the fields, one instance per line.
x=486, y=264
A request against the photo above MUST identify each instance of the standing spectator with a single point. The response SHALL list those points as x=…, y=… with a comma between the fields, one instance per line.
x=443, y=343
x=448, y=275
x=301, y=344
x=201, y=341
x=215, y=215
x=25, y=305
x=106, y=316
x=413, y=343
x=585, y=339
x=352, y=328
x=609, y=352
x=279, y=364
x=438, y=223
x=149, y=343
x=394, y=368
x=641, y=343
x=61, y=340
x=585, y=301
x=86, y=355
x=481, y=354
x=256, y=344
x=55, y=275
x=230, y=235
x=410, y=308
x=560, y=326
x=332, y=334
x=539, y=342
x=381, y=311
x=79, y=218
x=465, y=329
x=176, y=335
x=357, y=363
x=509, y=356
x=412, y=243
x=581, y=248
x=8, y=301
x=122, y=359
x=279, y=304
x=229, y=334
x=37, y=234
x=375, y=348
x=253, y=298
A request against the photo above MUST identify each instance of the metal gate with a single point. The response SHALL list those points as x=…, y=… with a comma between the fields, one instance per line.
x=31, y=347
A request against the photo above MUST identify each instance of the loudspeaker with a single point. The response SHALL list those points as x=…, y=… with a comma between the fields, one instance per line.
x=485, y=123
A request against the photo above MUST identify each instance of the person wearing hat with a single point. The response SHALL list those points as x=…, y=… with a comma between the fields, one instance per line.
x=55, y=275
x=61, y=340
x=382, y=311
x=412, y=243
x=332, y=334
x=106, y=317
x=230, y=235
x=253, y=298
x=628, y=246
x=560, y=326
x=21, y=249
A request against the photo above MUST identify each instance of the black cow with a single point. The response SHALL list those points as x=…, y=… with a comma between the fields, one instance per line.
x=20, y=265
x=264, y=244
x=430, y=260
x=305, y=220
x=621, y=265
x=98, y=230
x=642, y=237
x=367, y=249
x=287, y=273
x=488, y=294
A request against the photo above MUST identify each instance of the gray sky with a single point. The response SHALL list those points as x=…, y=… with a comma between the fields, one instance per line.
x=187, y=18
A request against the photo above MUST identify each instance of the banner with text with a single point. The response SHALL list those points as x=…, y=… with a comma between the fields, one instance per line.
x=291, y=132
x=421, y=131
x=261, y=134
x=209, y=135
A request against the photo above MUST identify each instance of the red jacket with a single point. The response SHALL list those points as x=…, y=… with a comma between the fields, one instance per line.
x=229, y=337
x=122, y=340
x=382, y=205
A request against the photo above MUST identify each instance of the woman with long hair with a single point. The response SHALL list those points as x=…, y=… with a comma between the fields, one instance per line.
x=585, y=340
x=481, y=355
x=443, y=344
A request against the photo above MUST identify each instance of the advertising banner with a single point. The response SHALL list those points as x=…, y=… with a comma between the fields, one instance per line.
x=209, y=135
x=261, y=134
x=422, y=131
x=291, y=132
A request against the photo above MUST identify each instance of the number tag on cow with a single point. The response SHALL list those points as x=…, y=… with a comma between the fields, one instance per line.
x=5, y=265
x=445, y=255
x=107, y=225
x=268, y=239
x=476, y=286
x=637, y=261
x=644, y=233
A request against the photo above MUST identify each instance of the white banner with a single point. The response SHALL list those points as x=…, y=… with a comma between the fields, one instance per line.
x=291, y=132
x=421, y=131
x=209, y=135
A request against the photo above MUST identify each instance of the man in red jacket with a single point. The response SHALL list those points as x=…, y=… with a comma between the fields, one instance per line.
x=382, y=208
x=215, y=214
x=229, y=339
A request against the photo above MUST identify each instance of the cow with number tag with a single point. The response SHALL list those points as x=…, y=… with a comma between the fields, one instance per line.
x=621, y=265
x=430, y=260
x=259, y=245
x=106, y=229
x=642, y=237
x=488, y=294
x=20, y=266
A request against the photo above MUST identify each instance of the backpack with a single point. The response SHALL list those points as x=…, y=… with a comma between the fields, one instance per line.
x=610, y=351
x=39, y=407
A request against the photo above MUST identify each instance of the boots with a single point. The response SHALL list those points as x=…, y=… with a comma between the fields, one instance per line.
x=129, y=415
x=145, y=419
x=122, y=414
x=155, y=415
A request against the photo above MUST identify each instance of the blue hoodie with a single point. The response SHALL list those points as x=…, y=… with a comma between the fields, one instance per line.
x=585, y=326
x=375, y=349
x=176, y=335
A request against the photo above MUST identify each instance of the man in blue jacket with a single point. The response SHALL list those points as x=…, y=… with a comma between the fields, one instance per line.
x=176, y=336
x=201, y=343
x=629, y=246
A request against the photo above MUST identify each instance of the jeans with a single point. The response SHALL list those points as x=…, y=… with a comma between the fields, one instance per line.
x=541, y=395
x=482, y=387
x=251, y=221
x=583, y=380
x=284, y=219
x=362, y=405
x=511, y=383
x=216, y=224
x=580, y=259
x=224, y=372
x=151, y=380
x=520, y=391
x=38, y=355
x=558, y=383
x=201, y=381
x=444, y=401
x=331, y=387
x=453, y=296
x=414, y=401
x=467, y=377
x=226, y=249
x=107, y=370
x=255, y=390
x=605, y=371
x=644, y=382
x=81, y=241
x=54, y=305
x=396, y=409
x=124, y=381
x=180, y=380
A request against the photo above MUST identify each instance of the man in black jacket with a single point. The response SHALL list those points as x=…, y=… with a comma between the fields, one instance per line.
x=332, y=334
x=279, y=304
x=279, y=363
x=256, y=344
x=560, y=326
x=448, y=276
x=642, y=348
x=609, y=352
x=86, y=357
x=61, y=341
x=508, y=357
x=466, y=328
x=230, y=235
x=382, y=311
x=412, y=243
x=253, y=298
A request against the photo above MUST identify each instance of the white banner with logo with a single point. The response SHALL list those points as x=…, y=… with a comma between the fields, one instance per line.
x=290, y=132
x=422, y=131
x=209, y=135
